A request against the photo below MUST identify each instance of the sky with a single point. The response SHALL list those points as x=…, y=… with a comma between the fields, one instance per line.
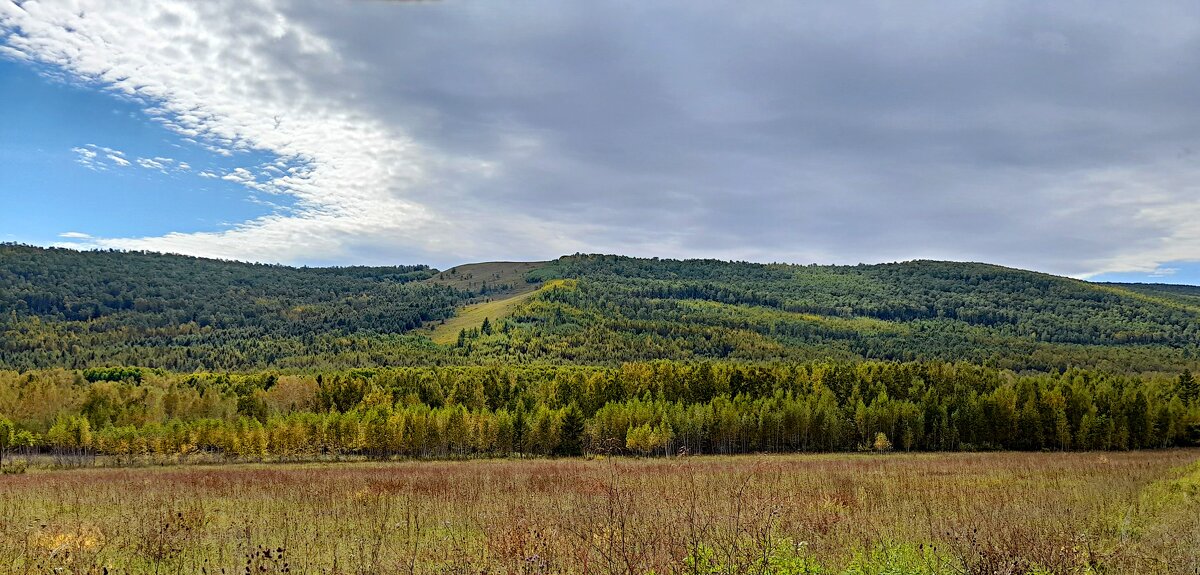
x=1062, y=137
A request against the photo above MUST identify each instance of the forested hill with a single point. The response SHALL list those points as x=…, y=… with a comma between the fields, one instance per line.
x=607, y=306
x=63, y=308
x=1166, y=293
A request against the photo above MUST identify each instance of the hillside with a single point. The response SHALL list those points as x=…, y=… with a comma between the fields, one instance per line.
x=1165, y=293
x=488, y=279
x=61, y=308
x=648, y=308
x=64, y=308
x=496, y=288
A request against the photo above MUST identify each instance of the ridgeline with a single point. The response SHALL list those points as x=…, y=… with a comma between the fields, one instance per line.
x=71, y=309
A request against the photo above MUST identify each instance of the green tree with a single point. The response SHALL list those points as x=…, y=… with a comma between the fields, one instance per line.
x=1187, y=386
x=571, y=433
x=7, y=436
x=253, y=405
x=1029, y=424
x=881, y=443
x=645, y=439
x=71, y=432
x=638, y=439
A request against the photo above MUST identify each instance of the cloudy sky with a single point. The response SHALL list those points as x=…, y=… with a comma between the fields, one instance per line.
x=1062, y=137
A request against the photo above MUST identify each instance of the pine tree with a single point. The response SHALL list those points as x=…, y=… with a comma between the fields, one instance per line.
x=571, y=434
x=1188, y=389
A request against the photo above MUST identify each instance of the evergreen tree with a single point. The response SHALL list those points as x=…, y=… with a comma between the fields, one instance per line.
x=1187, y=386
x=571, y=432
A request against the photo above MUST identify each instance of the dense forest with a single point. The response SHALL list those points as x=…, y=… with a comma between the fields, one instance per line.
x=598, y=307
x=652, y=407
x=65, y=308
x=142, y=355
x=70, y=309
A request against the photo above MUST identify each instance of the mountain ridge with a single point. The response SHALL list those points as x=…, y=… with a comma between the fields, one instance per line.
x=73, y=309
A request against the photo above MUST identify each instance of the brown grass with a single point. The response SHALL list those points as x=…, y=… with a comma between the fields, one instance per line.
x=1136, y=512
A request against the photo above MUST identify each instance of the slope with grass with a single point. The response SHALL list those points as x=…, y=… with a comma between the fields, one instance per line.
x=495, y=288
x=61, y=308
x=489, y=279
x=472, y=316
x=630, y=308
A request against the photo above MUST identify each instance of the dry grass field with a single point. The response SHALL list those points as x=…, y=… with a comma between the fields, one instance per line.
x=1133, y=512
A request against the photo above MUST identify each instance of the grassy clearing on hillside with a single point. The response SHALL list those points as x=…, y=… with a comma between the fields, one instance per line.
x=1132, y=512
x=503, y=282
x=496, y=277
x=472, y=316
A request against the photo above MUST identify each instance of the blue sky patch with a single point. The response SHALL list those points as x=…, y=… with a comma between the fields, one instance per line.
x=81, y=161
x=1182, y=272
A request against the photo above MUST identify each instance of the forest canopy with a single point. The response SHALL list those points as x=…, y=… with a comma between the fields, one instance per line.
x=135, y=354
x=70, y=309
x=634, y=408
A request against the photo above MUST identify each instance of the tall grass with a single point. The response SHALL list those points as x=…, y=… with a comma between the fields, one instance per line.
x=1135, y=512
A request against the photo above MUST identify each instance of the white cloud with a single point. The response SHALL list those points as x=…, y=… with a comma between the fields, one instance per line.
x=86, y=157
x=1163, y=272
x=414, y=132
x=152, y=164
x=11, y=53
x=99, y=158
x=75, y=236
x=223, y=73
x=163, y=165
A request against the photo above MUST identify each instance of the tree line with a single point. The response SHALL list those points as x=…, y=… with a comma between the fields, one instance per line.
x=659, y=407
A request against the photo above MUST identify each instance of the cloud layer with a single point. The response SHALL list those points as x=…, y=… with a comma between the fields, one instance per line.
x=1058, y=137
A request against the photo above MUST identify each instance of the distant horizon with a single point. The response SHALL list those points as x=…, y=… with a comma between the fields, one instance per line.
x=551, y=259
x=1046, y=137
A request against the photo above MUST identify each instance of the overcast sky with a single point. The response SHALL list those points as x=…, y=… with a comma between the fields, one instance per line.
x=1056, y=136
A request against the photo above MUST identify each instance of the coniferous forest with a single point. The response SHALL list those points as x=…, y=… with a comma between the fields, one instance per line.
x=142, y=355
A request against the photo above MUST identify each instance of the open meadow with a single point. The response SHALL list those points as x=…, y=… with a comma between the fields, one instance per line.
x=1125, y=512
